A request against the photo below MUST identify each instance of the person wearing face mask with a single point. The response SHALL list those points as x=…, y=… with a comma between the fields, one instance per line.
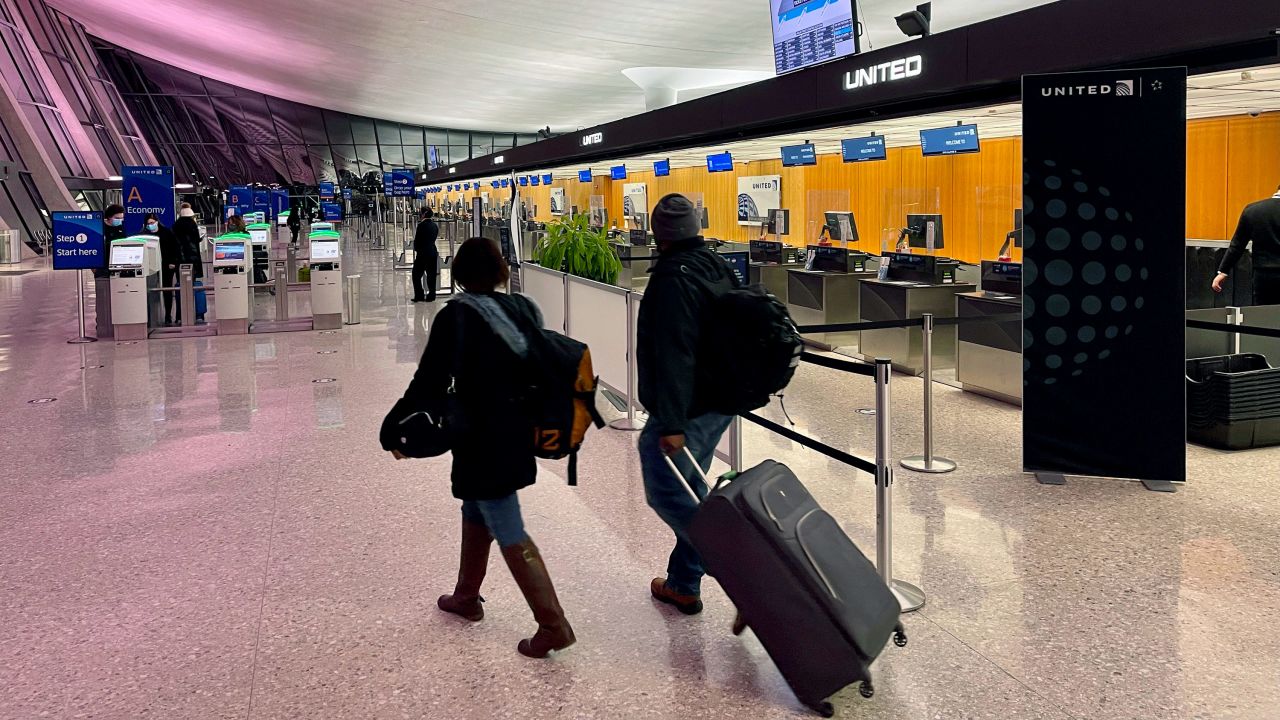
x=170, y=259
x=112, y=229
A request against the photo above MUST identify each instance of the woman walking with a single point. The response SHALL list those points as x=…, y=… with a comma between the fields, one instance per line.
x=476, y=351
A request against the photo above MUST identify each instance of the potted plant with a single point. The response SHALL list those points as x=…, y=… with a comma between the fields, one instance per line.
x=573, y=246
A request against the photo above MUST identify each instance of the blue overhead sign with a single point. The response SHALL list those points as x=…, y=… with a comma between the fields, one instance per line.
x=262, y=202
x=279, y=202
x=388, y=184
x=402, y=183
x=147, y=189
x=77, y=241
x=240, y=197
x=332, y=211
x=949, y=140
x=346, y=193
x=326, y=191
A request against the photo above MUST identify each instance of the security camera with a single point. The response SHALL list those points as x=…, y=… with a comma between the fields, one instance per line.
x=1255, y=113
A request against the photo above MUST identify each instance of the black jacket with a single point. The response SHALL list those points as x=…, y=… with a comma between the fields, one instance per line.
x=493, y=453
x=682, y=284
x=187, y=235
x=170, y=253
x=1260, y=222
x=424, y=238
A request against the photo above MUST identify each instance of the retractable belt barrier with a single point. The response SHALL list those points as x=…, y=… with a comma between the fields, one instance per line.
x=1240, y=329
x=917, y=322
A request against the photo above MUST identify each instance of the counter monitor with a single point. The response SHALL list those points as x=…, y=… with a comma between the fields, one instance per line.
x=949, y=140
x=722, y=162
x=324, y=251
x=737, y=262
x=1002, y=277
x=799, y=155
x=841, y=226
x=779, y=222
x=767, y=252
x=662, y=168
x=127, y=256
x=863, y=149
x=229, y=253
x=925, y=231
x=829, y=259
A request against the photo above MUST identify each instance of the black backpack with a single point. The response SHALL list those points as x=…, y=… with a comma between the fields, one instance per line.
x=751, y=348
x=560, y=398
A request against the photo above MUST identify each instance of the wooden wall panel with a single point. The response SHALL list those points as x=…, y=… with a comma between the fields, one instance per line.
x=1253, y=163
x=1207, y=178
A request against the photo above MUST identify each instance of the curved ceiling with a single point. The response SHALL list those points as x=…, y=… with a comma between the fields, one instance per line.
x=514, y=65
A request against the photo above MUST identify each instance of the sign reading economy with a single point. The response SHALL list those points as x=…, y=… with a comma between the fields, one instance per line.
x=77, y=241
x=146, y=189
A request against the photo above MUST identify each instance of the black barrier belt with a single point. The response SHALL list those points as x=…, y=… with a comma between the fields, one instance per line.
x=812, y=444
x=869, y=325
x=849, y=366
x=975, y=319
x=1227, y=327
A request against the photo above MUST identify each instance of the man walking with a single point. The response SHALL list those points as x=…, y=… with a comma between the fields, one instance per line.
x=426, y=258
x=1259, y=223
x=683, y=282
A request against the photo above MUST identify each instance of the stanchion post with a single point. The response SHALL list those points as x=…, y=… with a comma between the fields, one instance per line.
x=186, y=295
x=353, y=299
x=630, y=423
x=83, y=337
x=909, y=596
x=928, y=463
x=1235, y=316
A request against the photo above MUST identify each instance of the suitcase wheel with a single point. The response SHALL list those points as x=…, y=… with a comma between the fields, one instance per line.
x=865, y=690
x=900, y=637
x=825, y=709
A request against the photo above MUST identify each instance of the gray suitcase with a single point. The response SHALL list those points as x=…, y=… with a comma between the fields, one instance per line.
x=812, y=598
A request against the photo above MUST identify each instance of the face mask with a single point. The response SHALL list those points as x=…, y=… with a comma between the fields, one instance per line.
x=117, y=222
x=152, y=227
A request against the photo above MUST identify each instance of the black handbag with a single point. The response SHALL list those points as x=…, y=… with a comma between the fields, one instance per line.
x=423, y=435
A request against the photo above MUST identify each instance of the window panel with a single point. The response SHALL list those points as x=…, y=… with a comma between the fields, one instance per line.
x=298, y=165
x=338, y=127
x=388, y=133
x=204, y=119
x=322, y=163
x=433, y=136
x=411, y=135
x=282, y=112
x=311, y=123
x=218, y=89
x=414, y=157
x=392, y=157
x=362, y=131
x=368, y=159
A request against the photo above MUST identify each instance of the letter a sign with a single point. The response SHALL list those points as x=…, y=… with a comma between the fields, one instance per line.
x=147, y=189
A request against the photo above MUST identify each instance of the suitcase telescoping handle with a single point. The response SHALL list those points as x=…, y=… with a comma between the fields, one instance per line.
x=687, y=483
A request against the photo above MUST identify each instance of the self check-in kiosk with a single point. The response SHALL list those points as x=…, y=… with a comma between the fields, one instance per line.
x=232, y=262
x=989, y=355
x=326, y=280
x=260, y=234
x=134, y=266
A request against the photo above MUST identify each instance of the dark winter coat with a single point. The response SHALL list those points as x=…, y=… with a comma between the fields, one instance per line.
x=471, y=348
x=682, y=285
x=187, y=234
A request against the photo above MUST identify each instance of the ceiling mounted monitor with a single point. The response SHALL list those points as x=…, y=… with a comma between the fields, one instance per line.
x=546, y=178
x=863, y=149
x=662, y=168
x=720, y=163
x=797, y=155
x=808, y=32
x=618, y=172
x=584, y=176
x=949, y=140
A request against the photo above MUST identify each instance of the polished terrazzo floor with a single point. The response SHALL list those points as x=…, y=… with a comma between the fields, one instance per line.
x=198, y=529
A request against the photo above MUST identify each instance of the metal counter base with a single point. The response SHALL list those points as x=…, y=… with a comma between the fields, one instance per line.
x=820, y=298
x=774, y=278
x=989, y=355
x=886, y=300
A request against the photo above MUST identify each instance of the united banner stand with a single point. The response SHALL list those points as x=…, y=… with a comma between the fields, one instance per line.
x=1104, y=184
x=78, y=245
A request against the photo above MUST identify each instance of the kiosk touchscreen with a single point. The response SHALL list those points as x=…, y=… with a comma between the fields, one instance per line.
x=324, y=250
x=925, y=231
x=841, y=227
x=229, y=253
x=127, y=259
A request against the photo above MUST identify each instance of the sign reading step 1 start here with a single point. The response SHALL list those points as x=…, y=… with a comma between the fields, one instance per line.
x=77, y=241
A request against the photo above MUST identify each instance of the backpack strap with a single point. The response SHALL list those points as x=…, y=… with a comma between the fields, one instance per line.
x=573, y=469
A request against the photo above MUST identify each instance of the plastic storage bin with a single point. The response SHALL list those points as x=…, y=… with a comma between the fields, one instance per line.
x=1233, y=401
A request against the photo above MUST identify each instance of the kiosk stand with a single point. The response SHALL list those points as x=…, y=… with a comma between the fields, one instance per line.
x=326, y=281
x=134, y=265
x=231, y=270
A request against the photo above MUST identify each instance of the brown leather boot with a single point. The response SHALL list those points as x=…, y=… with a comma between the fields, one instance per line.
x=530, y=573
x=472, y=566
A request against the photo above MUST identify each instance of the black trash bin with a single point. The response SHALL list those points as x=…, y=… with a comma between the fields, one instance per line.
x=1233, y=401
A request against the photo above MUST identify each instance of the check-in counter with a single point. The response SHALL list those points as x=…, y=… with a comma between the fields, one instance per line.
x=904, y=300
x=825, y=298
x=775, y=278
x=989, y=354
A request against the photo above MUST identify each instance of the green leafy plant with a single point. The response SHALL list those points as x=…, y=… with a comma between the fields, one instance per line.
x=573, y=246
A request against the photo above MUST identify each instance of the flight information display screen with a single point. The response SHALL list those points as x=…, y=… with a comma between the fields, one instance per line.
x=808, y=32
x=949, y=140
x=720, y=163
x=796, y=155
x=662, y=168
x=584, y=176
x=864, y=148
x=618, y=172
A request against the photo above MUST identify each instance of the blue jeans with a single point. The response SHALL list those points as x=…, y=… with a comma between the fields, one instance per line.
x=665, y=495
x=501, y=516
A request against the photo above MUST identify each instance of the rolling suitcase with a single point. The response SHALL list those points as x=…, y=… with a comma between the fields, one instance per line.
x=812, y=598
